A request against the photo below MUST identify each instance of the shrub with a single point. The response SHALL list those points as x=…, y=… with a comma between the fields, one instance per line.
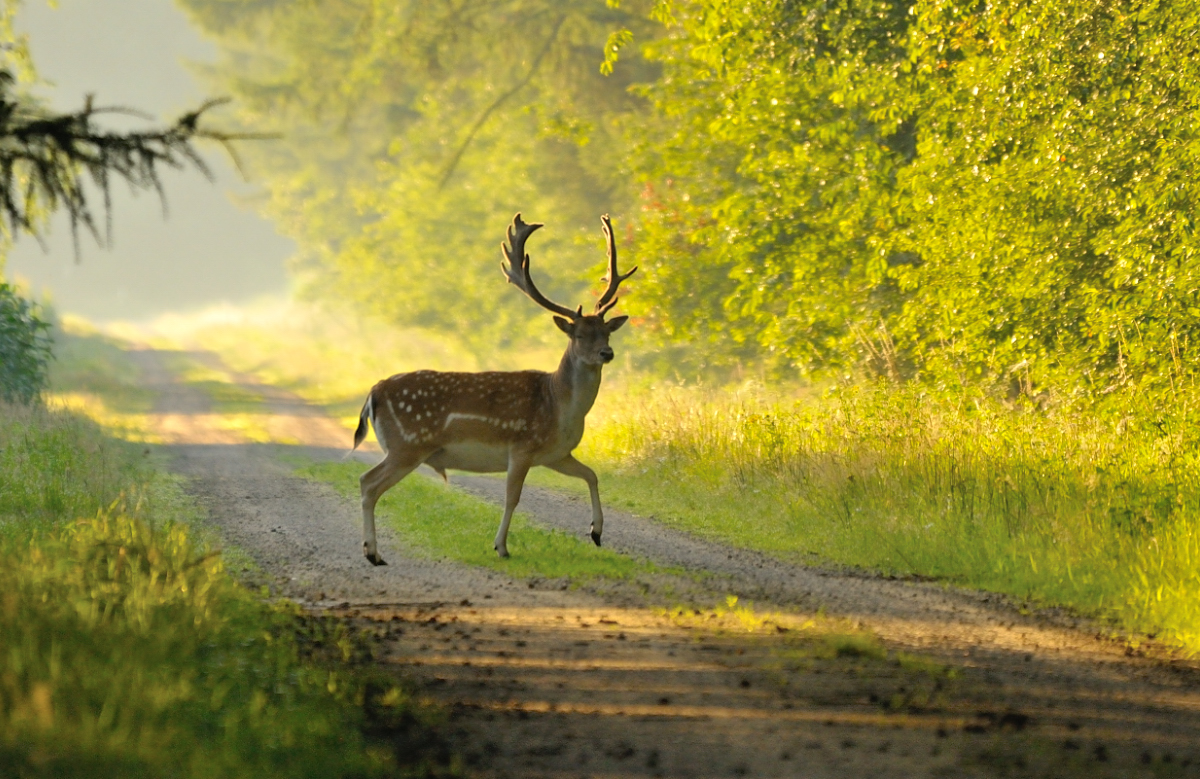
x=24, y=348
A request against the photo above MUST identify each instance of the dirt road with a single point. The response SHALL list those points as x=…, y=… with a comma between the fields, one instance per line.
x=594, y=681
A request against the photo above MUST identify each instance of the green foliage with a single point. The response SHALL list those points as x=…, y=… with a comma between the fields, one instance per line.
x=1052, y=193
x=125, y=648
x=998, y=192
x=768, y=180
x=24, y=348
x=415, y=130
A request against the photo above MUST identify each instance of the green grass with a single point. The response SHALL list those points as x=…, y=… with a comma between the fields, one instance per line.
x=55, y=465
x=89, y=363
x=1060, y=507
x=445, y=523
x=226, y=394
x=126, y=649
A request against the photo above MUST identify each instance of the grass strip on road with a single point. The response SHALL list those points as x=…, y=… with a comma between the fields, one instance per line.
x=444, y=522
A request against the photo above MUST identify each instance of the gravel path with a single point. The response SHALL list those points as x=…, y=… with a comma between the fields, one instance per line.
x=542, y=681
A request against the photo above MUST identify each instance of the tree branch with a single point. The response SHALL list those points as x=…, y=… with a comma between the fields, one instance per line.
x=537, y=62
x=44, y=158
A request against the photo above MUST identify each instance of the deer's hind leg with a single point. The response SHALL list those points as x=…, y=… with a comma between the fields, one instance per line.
x=372, y=484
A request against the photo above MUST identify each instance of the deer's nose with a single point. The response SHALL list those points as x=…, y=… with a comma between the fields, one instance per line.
x=606, y=353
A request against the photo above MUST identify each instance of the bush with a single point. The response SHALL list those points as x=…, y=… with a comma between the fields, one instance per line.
x=24, y=348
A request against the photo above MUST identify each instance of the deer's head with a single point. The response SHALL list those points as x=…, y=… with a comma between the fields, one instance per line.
x=588, y=332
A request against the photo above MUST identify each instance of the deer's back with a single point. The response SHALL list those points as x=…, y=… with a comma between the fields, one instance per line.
x=478, y=414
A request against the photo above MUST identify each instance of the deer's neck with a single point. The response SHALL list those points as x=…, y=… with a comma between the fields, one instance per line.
x=576, y=385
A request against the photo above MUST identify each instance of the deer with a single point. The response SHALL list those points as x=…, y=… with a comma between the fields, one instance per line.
x=496, y=421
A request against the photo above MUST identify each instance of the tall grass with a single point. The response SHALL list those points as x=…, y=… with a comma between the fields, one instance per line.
x=1098, y=513
x=127, y=650
x=55, y=465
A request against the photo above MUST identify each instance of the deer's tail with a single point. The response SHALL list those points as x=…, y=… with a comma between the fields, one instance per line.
x=367, y=413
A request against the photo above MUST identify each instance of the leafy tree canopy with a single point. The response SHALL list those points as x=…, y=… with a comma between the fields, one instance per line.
x=1000, y=192
x=413, y=131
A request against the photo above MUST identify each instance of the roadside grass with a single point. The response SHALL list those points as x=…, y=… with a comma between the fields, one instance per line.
x=445, y=523
x=126, y=649
x=88, y=362
x=93, y=375
x=1100, y=514
x=54, y=465
x=220, y=386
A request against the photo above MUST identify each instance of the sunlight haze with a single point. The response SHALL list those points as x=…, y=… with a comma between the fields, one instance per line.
x=133, y=53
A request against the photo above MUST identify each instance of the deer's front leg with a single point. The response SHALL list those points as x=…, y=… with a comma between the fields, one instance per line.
x=569, y=466
x=518, y=469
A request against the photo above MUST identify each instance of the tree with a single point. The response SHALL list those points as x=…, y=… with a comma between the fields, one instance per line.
x=414, y=130
x=1000, y=192
x=768, y=178
x=47, y=158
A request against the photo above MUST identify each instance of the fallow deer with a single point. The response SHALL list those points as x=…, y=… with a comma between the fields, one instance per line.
x=496, y=421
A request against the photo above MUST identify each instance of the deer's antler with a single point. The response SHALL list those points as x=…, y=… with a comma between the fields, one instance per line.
x=614, y=278
x=517, y=233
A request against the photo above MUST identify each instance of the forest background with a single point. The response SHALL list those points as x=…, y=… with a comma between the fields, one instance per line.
x=999, y=194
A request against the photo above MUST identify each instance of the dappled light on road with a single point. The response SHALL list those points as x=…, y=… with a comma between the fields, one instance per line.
x=644, y=692
x=199, y=401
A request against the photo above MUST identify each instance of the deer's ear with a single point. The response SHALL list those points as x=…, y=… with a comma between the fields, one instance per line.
x=615, y=323
x=564, y=325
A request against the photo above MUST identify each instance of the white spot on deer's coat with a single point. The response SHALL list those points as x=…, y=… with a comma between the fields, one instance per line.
x=455, y=416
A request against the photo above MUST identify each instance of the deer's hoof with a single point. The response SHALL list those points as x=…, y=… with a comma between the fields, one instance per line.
x=375, y=559
x=595, y=538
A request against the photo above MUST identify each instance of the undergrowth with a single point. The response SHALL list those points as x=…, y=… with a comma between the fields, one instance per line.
x=127, y=650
